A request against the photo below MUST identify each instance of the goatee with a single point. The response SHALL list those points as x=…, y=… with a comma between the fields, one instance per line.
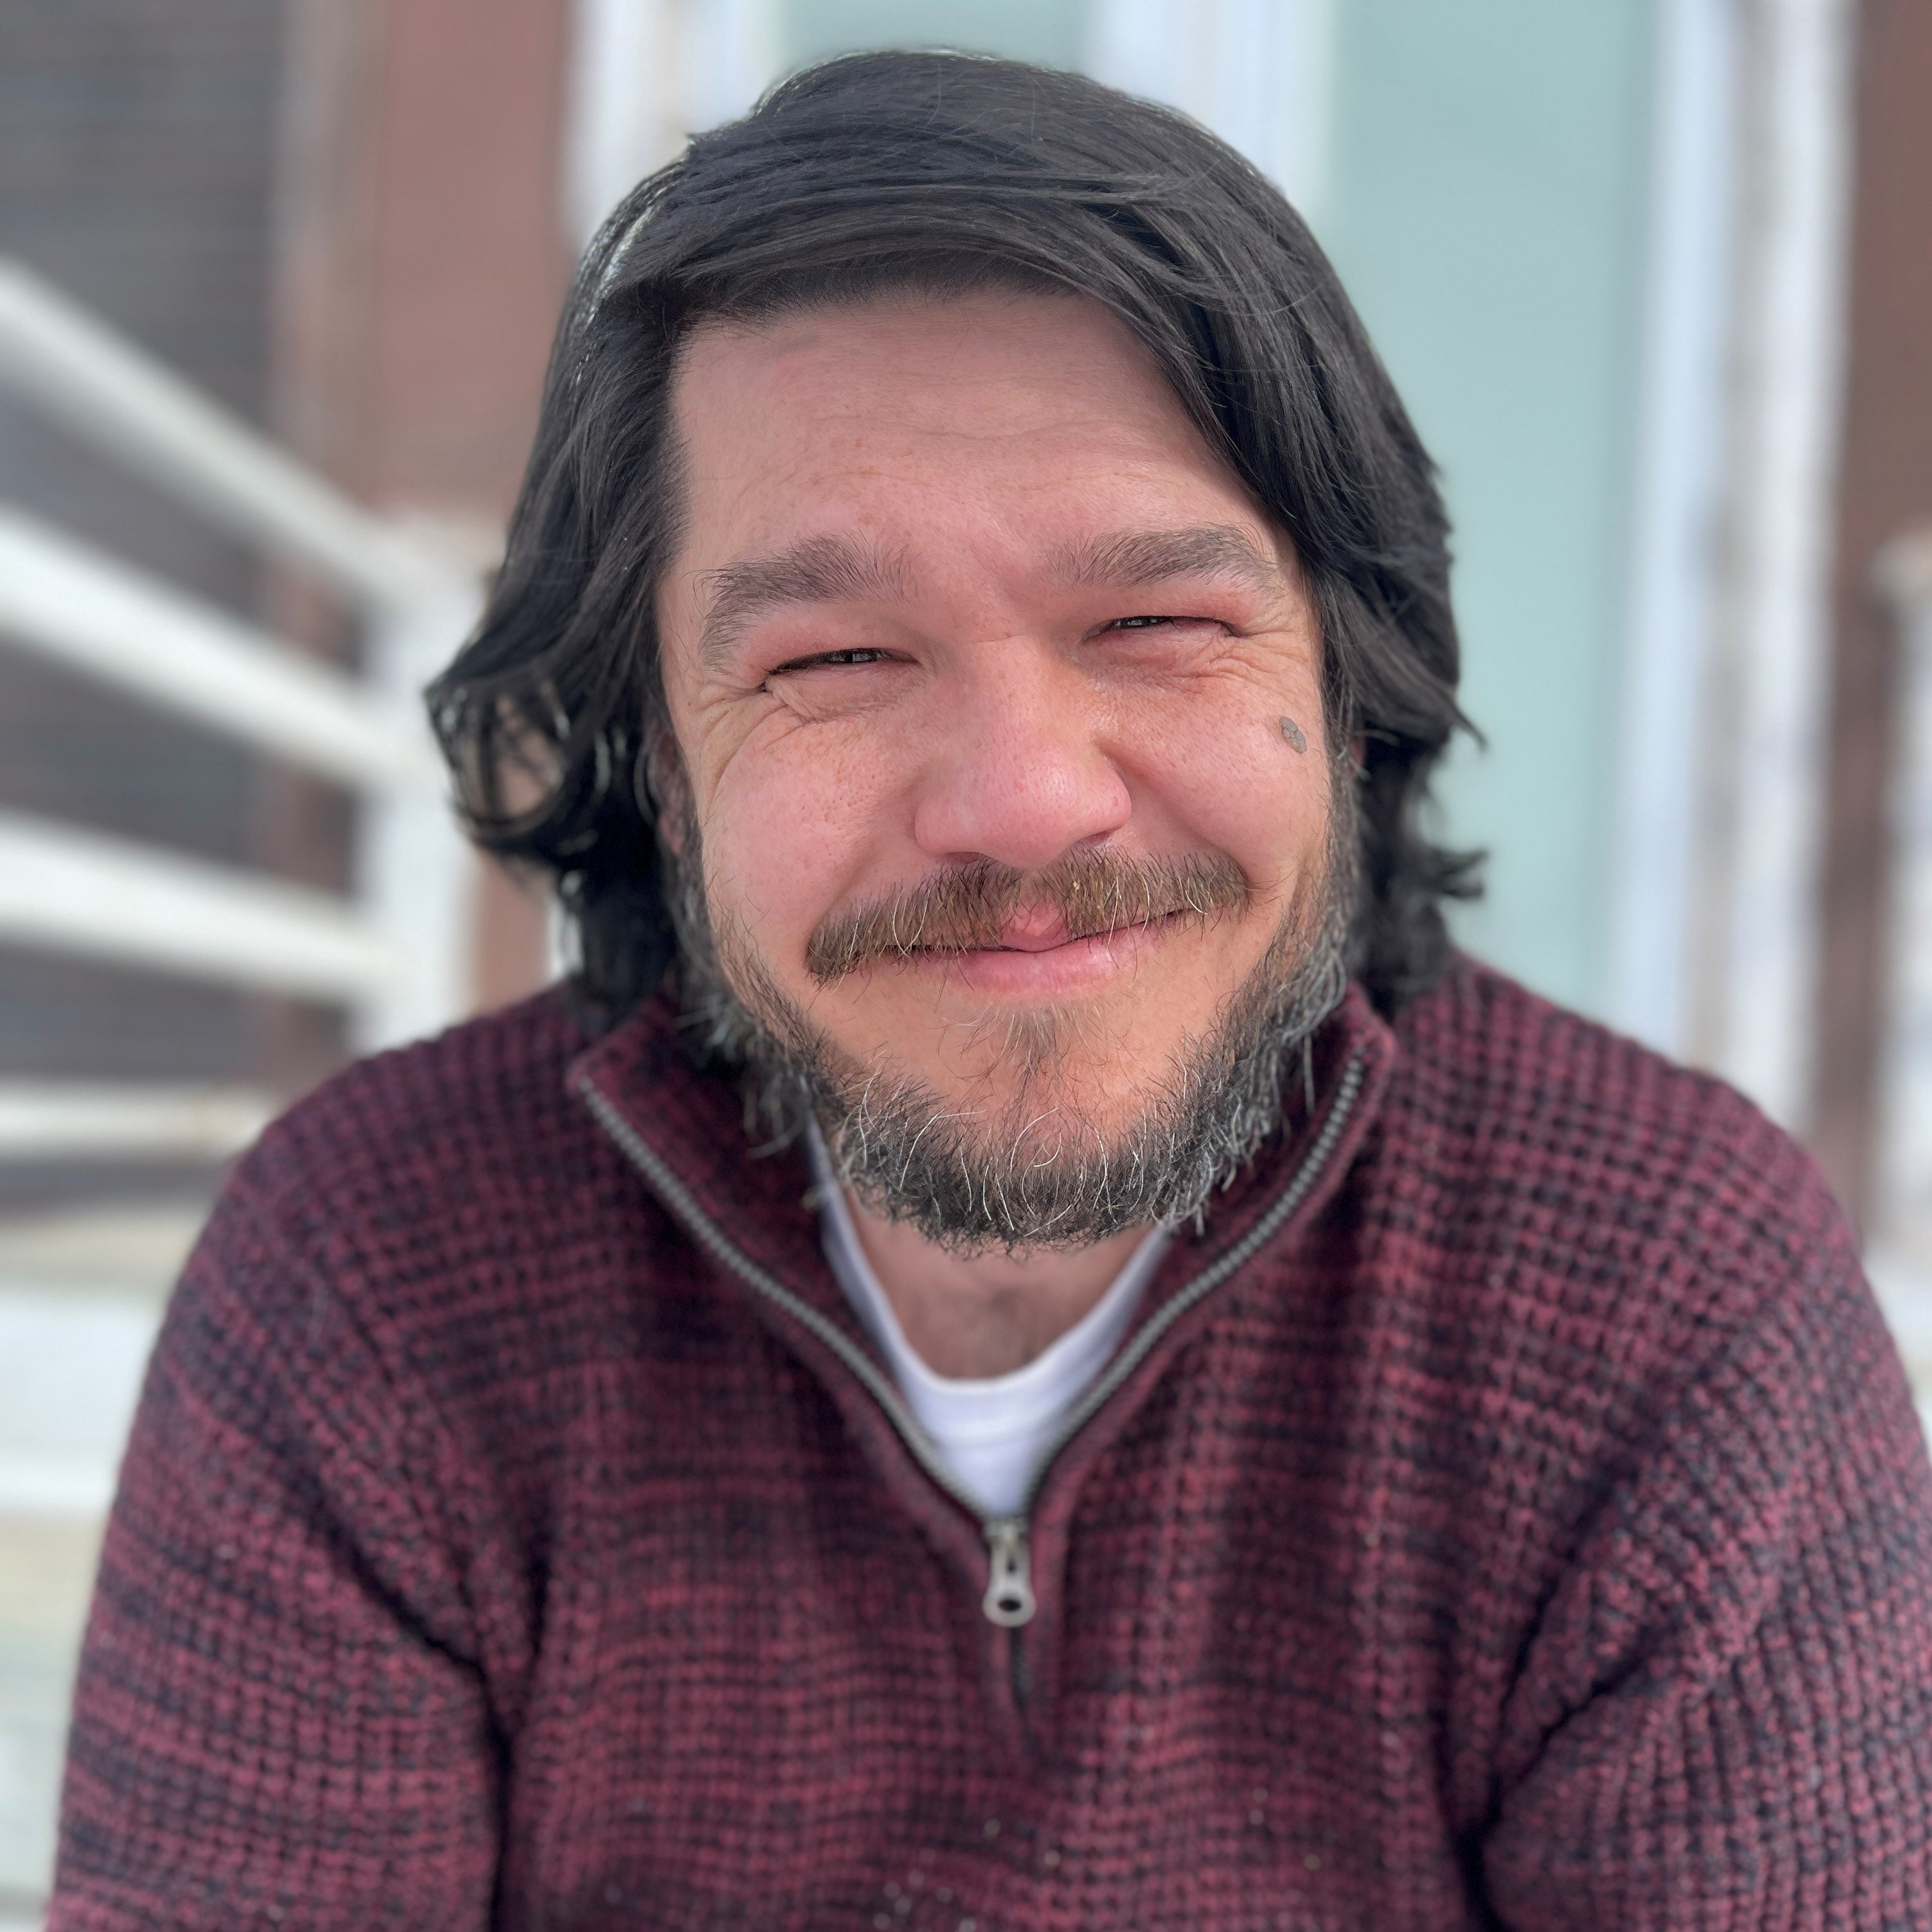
x=1038, y=1174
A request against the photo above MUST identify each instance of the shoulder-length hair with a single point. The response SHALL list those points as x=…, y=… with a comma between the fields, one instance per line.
x=943, y=172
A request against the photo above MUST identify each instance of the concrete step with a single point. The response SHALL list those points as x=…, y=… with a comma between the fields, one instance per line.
x=71, y=1360
x=81, y=1295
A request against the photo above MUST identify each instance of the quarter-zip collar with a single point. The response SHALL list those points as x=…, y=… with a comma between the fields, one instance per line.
x=684, y=1131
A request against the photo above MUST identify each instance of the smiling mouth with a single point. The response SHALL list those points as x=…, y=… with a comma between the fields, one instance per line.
x=985, y=911
x=1046, y=959
x=1049, y=933
x=1052, y=961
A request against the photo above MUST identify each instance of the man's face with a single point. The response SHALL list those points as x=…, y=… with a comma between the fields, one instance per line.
x=978, y=660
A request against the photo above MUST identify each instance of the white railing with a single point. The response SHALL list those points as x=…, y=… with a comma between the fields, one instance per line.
x=58, y=1120
x=70, y=602
x=396, y=953
x=81, y=1293
x=74, y=368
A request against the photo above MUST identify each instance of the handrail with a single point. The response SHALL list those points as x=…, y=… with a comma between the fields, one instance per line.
x=105, y=389
x=93, y=1120
x=109, y=898
x=75, y=605
x=52, y=1485
x=397, y=957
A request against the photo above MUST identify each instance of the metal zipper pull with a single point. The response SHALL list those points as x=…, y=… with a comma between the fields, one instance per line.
x=1009, y=1601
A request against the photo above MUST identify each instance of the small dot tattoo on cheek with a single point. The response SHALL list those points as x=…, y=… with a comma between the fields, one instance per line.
x=1291, y=731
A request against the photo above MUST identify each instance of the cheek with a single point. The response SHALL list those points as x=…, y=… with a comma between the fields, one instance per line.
x=1220, y=770
x=787, y=832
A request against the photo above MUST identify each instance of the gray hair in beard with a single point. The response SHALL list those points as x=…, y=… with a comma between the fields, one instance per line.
x=1036, y=1176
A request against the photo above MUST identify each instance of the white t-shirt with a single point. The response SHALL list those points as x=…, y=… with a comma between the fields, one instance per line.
x=991, y=1433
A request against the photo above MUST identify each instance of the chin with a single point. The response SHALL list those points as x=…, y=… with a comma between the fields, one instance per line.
x=1030, y=1067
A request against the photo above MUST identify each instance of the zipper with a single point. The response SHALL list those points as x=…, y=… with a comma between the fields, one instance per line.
x=1009, y=1601
x=1199, y=1287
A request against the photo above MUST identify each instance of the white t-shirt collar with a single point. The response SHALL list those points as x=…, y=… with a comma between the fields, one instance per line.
x=991, y=1432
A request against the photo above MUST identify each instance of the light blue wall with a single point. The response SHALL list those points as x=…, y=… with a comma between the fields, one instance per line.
x=1046, y=30
x=1485, y=206
x=1484, y=198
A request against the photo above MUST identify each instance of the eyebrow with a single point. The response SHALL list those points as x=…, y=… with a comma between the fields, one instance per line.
x=1157, y=557
x=819, y=570
x=835, y=570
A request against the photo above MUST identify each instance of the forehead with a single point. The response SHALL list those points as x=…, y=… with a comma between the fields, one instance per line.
x=1015, y=406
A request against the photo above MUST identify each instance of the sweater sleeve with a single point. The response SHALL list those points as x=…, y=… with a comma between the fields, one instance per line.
x=1723, y=1720
x=280, y=1719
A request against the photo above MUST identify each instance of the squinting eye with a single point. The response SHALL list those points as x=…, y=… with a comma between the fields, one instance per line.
x=852, y=657
x=1171, y=620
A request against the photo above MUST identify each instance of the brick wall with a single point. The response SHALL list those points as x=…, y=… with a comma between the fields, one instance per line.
x=1885, y=487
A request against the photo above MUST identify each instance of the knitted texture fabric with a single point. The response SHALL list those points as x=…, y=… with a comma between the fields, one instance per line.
x=1511, y=1512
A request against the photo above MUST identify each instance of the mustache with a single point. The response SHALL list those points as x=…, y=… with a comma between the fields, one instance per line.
x=966, y=907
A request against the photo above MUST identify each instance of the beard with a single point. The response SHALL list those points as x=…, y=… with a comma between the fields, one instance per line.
x=1033, y=1171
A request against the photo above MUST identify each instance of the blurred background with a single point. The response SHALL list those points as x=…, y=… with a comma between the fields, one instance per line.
x=277, y=283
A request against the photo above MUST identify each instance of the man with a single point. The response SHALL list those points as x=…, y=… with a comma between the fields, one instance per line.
x=1025, y=1347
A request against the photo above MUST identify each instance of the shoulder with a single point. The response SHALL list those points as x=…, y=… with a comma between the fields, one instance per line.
x=439, y=1242
x=1481, y=1041
x=435, y=1197
x=469, y=1128
x=1676, y=1420
x=489, y=1091
x=1574, y=1217
x=1622, y=1308
x=1534, y=1114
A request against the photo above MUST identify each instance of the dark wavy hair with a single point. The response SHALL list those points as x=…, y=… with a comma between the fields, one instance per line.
x=942, y=173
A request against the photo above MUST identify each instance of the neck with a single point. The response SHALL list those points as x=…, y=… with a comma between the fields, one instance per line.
x=970, y=1316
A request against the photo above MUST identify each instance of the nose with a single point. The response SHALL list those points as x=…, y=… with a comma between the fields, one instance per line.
x=1019, y=774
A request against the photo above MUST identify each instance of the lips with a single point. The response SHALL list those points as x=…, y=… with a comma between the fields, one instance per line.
x=1034, y=961
x=1039, y=930
x=1046, y=931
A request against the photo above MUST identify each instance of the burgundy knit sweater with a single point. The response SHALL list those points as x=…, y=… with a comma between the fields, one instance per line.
x=1508, y=1511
